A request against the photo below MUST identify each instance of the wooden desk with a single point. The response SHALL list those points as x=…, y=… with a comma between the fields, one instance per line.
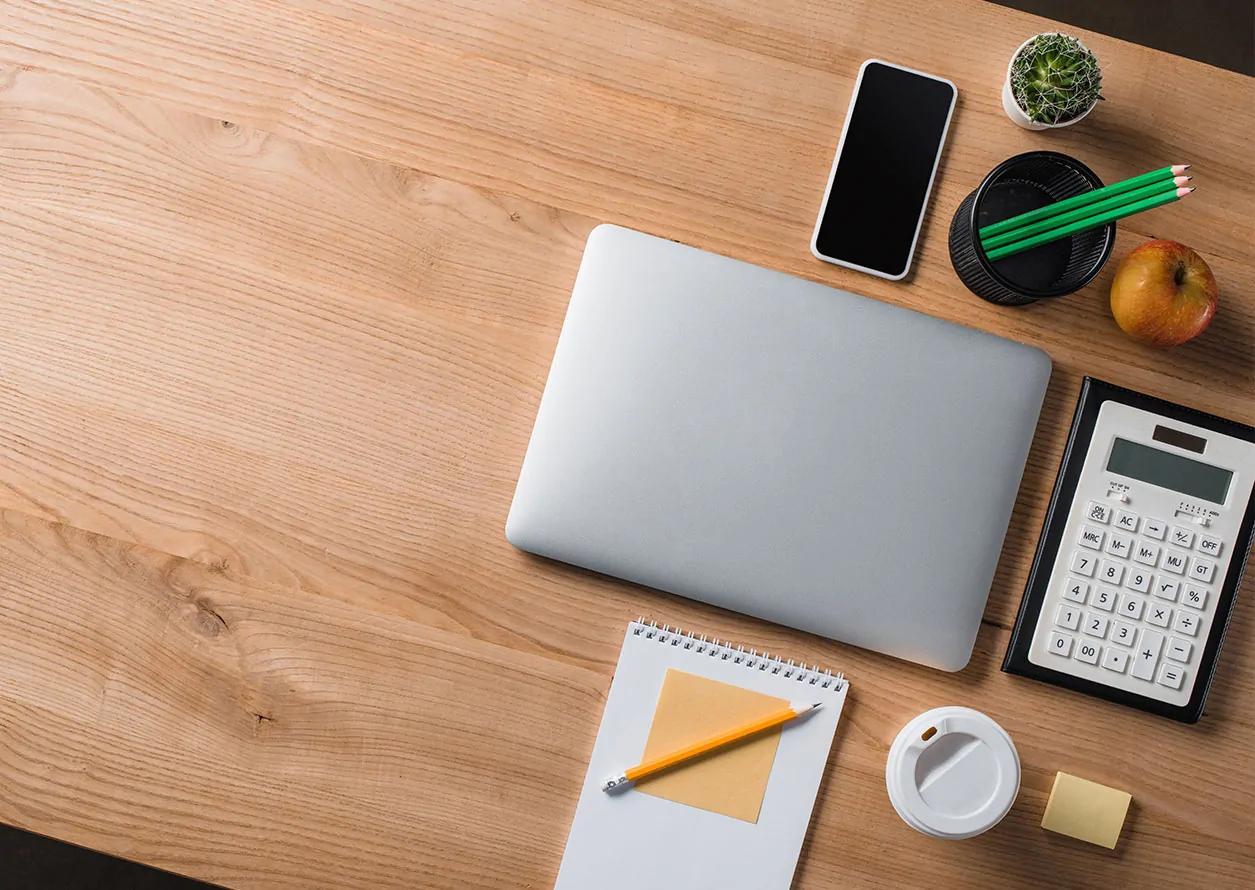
x=281, y=283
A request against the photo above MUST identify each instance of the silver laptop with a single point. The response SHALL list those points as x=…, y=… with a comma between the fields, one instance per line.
x=770, y=445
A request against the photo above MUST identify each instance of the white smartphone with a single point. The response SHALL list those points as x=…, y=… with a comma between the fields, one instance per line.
x=884, y=168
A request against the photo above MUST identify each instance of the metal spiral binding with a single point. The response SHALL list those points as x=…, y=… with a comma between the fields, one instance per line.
x=725, y=651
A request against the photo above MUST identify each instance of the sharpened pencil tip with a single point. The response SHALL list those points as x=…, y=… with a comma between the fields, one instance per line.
x=1178, y=169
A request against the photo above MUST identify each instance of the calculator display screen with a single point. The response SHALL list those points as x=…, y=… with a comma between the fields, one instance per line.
x=1183, y=474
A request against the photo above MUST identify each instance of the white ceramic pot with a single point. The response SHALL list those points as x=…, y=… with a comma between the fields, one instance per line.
x=1012, y=108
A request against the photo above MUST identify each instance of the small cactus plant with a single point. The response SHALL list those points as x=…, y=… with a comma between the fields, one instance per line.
x=1055, y=78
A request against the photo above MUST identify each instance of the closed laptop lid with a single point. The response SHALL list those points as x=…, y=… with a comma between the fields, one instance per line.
x=774, y=446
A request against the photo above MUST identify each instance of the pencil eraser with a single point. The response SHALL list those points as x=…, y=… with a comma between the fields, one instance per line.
x=1086, y=810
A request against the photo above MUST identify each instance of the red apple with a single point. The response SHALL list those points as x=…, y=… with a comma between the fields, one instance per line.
x=1163, y=294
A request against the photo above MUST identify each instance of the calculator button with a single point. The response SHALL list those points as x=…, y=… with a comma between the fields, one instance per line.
x=1068, y=616
x=1182, y=537
x=1132, y=607
x=1083, y=564
x=1119, y=545
x=1104, y=599
x=1155, y=528
x=1158, y=615
x=1195, y=597
x=1111, y=572
x=1186, y=623
x=1126, y=521
x=1210, y=546
x=1099, y=512
x=1166, y=589
x=1174, y=561
x=1075, y=591
x=1171, y=675
x=1091, y=537
x=1179, y=650
x=1139, y=580
x=1060, y=644
x=1115, y=659
x=1086, y=652
x=1123, y=633
x=1202, y=570
x=1147, y=654
x=1146, y=554
x=1095, y=625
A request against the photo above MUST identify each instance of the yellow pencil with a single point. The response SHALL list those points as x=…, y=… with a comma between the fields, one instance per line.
x=649, y=767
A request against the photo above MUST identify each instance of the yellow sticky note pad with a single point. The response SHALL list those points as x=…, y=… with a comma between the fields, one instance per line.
x=731, y=780
x=1086, y=810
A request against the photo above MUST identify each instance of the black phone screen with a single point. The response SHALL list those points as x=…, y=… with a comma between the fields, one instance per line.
x=881, y=184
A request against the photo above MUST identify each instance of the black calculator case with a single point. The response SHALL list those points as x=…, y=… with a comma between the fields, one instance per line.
x=1093, y=394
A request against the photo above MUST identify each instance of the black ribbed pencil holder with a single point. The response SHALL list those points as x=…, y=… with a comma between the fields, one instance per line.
x=1018, y=185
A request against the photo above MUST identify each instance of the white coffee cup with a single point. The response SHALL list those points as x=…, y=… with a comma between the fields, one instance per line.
x=952, y=773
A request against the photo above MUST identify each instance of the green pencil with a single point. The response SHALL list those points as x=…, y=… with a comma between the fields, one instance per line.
x=1050, y=210
x=1091, y=222
x=1148, y=191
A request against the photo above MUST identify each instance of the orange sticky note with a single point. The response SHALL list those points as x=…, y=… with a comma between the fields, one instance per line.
x=731, y=780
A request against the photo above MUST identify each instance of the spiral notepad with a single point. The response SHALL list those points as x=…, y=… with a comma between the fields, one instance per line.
x=733, y=819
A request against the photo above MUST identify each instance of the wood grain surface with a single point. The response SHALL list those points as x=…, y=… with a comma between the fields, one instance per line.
x=280, y=281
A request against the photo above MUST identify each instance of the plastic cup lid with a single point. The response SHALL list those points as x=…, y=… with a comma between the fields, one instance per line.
x=952, y=773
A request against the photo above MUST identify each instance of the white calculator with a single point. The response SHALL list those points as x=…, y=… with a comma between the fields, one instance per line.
x=1142, y=552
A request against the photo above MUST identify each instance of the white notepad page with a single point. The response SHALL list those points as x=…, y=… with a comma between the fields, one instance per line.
x=631, y=840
